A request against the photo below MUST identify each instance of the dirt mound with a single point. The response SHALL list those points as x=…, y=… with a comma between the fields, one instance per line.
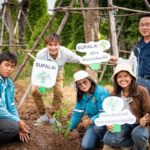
x=43, y=137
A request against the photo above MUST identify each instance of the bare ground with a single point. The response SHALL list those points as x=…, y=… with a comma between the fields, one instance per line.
x=43, y=137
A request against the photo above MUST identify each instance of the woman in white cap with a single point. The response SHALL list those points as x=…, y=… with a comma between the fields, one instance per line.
x=89, y=101
x=136, y=99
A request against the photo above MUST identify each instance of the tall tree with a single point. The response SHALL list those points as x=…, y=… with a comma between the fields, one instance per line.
x=91, y=21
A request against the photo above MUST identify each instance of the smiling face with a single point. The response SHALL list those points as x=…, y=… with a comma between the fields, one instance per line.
x=84, y=85
x=144, y=27
x=53, y=48
x=7, y=68
x=124, y=79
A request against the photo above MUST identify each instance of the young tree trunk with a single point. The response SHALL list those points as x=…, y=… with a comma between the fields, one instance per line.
x=91, y=21
x=147, y=4
x=22, y=22
x=10, y=24
x=91, y=27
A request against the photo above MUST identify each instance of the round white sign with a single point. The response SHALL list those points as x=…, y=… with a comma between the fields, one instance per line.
x=44, y=73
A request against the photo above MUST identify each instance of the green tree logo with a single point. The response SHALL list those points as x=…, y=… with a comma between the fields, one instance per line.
x=43, y=76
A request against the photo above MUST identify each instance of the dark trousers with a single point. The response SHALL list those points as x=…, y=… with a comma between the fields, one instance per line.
x=9, y=130
x=144, y=82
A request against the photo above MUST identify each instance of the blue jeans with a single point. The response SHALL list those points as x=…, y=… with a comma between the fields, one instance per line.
x=120, y=139
x=144, y=82
x=91, y=136
x=140, y=137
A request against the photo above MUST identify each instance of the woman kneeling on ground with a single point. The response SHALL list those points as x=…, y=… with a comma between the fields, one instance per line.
x=89, y=101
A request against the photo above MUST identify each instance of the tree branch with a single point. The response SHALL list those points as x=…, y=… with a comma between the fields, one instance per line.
x=83, y=11
x=147, y=4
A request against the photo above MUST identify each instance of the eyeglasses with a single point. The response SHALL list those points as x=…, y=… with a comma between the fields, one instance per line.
x=142, y=25
x=83, y=83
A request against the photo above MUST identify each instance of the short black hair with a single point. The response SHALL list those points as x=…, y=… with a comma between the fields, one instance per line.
x=144, y=15
x=7, y=56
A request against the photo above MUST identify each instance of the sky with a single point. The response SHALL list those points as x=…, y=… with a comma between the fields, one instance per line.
x=50, y=4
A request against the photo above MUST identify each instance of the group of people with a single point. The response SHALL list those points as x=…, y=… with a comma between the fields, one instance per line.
x=132, y=85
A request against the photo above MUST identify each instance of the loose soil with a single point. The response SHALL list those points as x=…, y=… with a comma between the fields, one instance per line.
x=43, y=137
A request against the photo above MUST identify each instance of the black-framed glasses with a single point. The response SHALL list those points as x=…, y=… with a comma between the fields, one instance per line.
x=82, y=83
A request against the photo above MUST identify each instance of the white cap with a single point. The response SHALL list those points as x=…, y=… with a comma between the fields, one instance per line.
x=80, y=75
x=124, y=66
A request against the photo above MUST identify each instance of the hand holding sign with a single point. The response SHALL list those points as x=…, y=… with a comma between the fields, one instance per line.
x=95, y=66
x=42, y=90
x=44, y=73
x=94, y=51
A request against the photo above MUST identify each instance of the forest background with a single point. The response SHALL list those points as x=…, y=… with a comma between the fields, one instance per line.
x=73, y=32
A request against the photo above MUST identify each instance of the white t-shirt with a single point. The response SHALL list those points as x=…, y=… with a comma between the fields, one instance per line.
x=64, y=55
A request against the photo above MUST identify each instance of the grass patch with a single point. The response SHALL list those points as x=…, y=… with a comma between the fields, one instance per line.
x=70, y=69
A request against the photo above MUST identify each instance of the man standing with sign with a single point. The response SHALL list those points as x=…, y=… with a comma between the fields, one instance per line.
x=140, y=54
x=60, y=55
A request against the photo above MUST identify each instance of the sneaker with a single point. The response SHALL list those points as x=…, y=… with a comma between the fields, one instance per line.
x=106, y=147
x=126, y=148
x=148, y=145
x=53, y=121
x=41, y=120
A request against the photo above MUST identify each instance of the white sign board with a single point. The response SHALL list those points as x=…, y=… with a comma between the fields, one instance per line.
x=120, y=118
x=113, y=104
x=44, y=73
x=94, y=52
x=113, y=113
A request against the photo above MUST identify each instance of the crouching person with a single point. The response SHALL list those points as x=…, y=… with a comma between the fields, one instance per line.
x=89, y=101
x=136, y=99
x=11, y=126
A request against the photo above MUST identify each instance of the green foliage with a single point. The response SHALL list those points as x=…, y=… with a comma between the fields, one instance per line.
x=136, y=4
x=37, y=9
x=107, y=76
x=6, y=40
x=70, y=69
x=38, y=29
x=60, y=116
x=26, y=72
x=73, y=30
x=77, y=34
x=65, y=35
x=104, y=28
x=131, y=32
x=130, y=29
